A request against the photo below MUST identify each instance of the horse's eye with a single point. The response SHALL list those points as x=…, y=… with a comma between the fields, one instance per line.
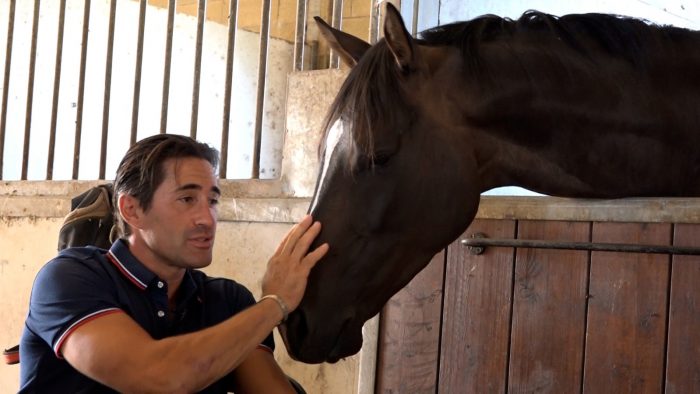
x=381, y=159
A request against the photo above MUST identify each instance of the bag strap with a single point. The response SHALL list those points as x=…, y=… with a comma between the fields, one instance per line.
x=11, y=355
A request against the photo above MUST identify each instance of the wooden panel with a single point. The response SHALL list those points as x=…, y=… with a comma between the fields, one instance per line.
x=683, y=368
x=549, y=310
x=627, y=312
x=409, y=334
x=476, y=319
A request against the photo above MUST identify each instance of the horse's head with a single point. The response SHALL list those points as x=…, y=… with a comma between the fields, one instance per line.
x=393, y=189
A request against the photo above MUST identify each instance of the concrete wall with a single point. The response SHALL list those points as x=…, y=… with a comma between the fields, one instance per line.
x=254, y=215
x=355, y=14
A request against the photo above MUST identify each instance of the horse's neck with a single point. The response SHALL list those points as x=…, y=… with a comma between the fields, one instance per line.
x=578, y=133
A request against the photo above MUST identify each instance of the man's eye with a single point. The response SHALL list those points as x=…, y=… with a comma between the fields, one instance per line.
x=214, y=201
x=186, y=199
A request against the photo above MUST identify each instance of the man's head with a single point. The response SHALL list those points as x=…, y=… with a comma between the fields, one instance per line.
x=142, y=169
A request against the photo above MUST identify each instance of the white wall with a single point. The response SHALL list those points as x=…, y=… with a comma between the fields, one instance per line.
x=439, y=12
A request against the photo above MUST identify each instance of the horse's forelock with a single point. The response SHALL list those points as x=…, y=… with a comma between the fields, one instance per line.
x=366, y=100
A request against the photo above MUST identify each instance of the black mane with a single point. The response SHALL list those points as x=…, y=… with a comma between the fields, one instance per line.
x=631, y=38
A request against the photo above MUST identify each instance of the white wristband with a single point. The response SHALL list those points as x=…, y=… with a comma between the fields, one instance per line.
x=282, y=305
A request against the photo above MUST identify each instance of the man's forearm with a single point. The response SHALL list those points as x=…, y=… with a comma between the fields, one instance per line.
x=199, y=359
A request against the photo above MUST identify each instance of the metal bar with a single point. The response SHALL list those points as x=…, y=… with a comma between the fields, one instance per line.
x=108, y=88
x=414, y=23
x=231, y=44
x=6, y=81
x=336, y=22
x=137, y=73
x=300, y=35
x=166, y=67
x=30, y=91
x=81, y=89
x=374, y=16
x=201, y=17
x=56, y=89
x=262, y=71
x=478, y=244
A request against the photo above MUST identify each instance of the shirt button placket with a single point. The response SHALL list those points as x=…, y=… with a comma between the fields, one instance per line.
x=160, y=285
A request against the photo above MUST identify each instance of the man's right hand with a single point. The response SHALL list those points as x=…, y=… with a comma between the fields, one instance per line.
x=289, y=267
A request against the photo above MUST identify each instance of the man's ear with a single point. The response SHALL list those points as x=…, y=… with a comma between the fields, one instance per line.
x=130, y=210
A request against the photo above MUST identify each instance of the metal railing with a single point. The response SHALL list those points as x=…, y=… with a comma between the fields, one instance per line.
x=478, y=243
x=88, y=42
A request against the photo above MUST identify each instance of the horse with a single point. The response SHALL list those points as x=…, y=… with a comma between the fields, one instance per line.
x=582, y=105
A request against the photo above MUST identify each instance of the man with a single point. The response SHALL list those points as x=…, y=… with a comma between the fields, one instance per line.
x=141, y=317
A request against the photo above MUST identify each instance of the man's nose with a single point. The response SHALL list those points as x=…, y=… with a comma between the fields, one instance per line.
x=206, y=215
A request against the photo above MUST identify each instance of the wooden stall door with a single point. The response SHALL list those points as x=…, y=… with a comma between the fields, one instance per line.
x=548, y=321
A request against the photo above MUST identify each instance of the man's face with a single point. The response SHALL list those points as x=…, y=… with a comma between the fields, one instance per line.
x=180, y=225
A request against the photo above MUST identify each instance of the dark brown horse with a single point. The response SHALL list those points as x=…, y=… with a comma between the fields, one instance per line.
x=585, y=105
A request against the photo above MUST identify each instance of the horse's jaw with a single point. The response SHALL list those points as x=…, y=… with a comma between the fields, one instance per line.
x=347, y=342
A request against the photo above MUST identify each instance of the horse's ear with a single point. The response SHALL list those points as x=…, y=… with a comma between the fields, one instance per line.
x=397, y=37
x=348, y=47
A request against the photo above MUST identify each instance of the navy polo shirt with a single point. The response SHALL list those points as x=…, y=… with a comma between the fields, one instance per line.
x=81, y=284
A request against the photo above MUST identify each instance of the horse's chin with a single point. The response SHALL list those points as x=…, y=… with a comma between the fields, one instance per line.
x=329, y=347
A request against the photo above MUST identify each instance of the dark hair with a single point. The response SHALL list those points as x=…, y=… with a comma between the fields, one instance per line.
x=141, y=170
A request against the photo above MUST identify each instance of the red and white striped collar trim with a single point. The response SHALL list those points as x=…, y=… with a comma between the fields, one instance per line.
x=122, y=268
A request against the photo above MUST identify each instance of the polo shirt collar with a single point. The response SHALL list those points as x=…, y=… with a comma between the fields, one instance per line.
x=129, y=266
x=137, y=273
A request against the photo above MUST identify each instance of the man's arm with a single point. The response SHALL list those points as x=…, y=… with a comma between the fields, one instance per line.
x=114, y=350
x=260, y=373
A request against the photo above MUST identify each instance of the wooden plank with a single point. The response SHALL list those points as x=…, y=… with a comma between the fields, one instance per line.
x=476, y=317
x=683, y=352
x=549, y=310
x=638, y=210
x=409, y=334
x=627, y=312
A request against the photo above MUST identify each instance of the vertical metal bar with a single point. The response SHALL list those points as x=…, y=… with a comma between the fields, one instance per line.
x=137, y=73
x=108, y=88
x=81, y=89
x=232, y=23
x=201, y=17
x=336, y=22
x=30, y=91
x=56, y=88
x=262, y=70
x=166, y=68
x=374, y=22
x=6, y=81
x=414, y=23
x=300, y=35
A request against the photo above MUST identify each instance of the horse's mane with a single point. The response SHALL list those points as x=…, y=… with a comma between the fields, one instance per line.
x=375, y=81
x=632, y=39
